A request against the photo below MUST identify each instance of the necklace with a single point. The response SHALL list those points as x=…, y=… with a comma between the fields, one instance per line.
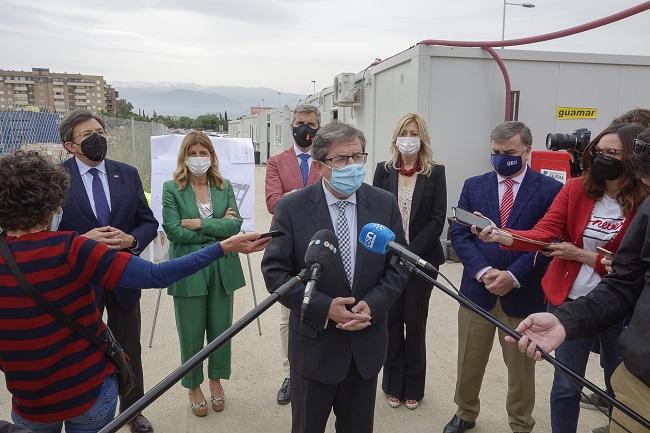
x=205, y=209
x=410, y=172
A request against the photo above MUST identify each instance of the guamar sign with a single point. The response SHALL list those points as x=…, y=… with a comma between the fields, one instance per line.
x=564, y=113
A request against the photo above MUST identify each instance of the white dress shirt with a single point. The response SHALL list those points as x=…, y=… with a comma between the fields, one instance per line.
x=87, y=178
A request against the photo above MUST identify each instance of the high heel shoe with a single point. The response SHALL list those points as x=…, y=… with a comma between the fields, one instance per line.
x=393, y=401
x=199, y=409
x=411, y=404
x=218, y=403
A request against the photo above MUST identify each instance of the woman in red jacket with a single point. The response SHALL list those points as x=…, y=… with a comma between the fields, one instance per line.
x=589, y=212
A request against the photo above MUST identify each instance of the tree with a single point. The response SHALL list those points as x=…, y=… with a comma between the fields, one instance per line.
x=124, y=109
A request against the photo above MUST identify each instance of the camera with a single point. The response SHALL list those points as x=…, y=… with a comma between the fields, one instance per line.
x=576, y=141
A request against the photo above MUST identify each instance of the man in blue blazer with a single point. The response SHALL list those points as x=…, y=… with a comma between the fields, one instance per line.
x=106, y=203
x=508, y=284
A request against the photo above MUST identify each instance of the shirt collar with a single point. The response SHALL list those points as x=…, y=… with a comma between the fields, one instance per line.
x=517, y=179
x=83, y=167
x=299, y=151
x=331, y=200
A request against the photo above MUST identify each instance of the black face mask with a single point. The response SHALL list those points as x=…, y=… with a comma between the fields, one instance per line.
x=304, y=135
x=603, y=168
x=94, y=147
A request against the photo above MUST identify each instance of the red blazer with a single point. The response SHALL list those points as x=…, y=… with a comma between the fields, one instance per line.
x=566, y=219
x=283, y=175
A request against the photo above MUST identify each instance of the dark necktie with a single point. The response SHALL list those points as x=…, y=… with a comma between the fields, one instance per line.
x=304, y=167
x=102, y=210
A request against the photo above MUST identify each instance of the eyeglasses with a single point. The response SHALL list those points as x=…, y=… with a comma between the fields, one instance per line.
x=609, y=153
x=87, y=134
x=640, y=146
x=342, y=160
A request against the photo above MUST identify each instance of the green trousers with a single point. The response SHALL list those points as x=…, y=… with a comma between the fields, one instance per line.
x=198, y=317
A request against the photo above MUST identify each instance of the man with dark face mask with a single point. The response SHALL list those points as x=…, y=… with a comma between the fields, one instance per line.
x=287, y=172
x=507, y=284
x=106, y=203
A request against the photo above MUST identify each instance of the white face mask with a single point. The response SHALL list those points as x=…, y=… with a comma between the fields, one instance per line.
x=56, y=220
x=408, y=145
x=198, y=165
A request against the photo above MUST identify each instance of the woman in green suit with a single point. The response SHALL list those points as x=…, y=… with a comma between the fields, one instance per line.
x=199, y=208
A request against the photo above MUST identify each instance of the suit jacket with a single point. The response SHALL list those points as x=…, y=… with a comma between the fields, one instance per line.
x=327, y=351
x=283, y=175
x=480, y=193
x=567, y=219
x=178, y=205
x=428, y=209
x=129, y=210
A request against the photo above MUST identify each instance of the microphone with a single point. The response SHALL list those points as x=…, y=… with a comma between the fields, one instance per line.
x=380, y=239
x=322, y=248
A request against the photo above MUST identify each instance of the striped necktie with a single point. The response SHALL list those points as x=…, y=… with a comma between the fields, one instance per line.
x=506, y=202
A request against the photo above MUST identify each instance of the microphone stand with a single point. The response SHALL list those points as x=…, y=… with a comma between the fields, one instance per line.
x=201, y=356
x=514, y=334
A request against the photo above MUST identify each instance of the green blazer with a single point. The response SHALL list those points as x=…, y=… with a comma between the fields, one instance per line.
x=178, y=205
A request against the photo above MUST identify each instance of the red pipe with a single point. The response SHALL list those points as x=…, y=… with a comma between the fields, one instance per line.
x=487, y=45
x=506, y=79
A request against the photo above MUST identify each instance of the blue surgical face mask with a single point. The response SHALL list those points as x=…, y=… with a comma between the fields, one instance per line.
x=56, y=220
x=506, y=165
x=347, y=180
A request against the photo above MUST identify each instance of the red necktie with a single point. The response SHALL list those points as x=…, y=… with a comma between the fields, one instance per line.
x=506, y=202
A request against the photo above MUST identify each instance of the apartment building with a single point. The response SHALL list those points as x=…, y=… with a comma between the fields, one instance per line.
x=59, y=92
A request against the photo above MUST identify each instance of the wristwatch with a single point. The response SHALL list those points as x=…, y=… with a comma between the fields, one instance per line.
x=134, y=244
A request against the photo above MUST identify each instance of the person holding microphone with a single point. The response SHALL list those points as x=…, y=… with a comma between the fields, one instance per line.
x=592, y=211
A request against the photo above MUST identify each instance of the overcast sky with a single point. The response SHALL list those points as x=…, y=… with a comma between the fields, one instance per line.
x=282, y=44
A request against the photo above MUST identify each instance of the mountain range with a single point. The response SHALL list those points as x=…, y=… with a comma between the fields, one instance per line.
x=187, y=99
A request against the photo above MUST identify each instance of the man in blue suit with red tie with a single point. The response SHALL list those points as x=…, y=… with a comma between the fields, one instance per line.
x=506, y=283
x=106, y=203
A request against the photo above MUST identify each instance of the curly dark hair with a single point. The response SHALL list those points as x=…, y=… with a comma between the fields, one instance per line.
x=633, y=191
x=641, y=161
x=31, y=190
x=638, y=115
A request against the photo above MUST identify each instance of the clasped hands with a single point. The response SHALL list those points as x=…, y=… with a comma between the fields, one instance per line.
x=112, y=237
x=356, y=319
x=498, y=282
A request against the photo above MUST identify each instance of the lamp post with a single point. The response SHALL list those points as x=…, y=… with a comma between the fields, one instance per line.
x=503, y=23
x=314, y=83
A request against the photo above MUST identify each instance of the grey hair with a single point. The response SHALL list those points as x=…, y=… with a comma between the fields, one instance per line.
x=66, y=128
x=506, y=130
x=335, y=132
x=306, y=108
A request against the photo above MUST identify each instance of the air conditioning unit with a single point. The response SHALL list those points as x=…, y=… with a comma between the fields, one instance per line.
x=346, y=94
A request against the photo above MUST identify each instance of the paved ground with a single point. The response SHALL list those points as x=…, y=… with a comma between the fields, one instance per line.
x=257, y=372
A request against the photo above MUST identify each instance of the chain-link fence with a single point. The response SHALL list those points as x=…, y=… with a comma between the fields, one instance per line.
x=129, y=140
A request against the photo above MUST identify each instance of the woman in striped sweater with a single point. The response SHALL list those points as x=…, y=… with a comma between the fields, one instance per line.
x=53, y=374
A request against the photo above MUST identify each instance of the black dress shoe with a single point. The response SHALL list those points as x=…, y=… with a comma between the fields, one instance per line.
x=458, y=425
x=284, y=393
x=140, y=424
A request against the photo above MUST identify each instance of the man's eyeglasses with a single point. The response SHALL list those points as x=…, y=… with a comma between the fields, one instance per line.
x=89, y=133
x=609, y=153
x=343, y=160
x=640, y=146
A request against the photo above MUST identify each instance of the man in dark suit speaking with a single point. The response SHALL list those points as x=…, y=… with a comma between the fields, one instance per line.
x=106, y=203
x=344, y=334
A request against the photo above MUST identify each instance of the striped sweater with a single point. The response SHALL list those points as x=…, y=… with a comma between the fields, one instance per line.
x=53, y=373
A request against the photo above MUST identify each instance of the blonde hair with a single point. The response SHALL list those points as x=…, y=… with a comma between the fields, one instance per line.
x=181, y=174
x=425, y=155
